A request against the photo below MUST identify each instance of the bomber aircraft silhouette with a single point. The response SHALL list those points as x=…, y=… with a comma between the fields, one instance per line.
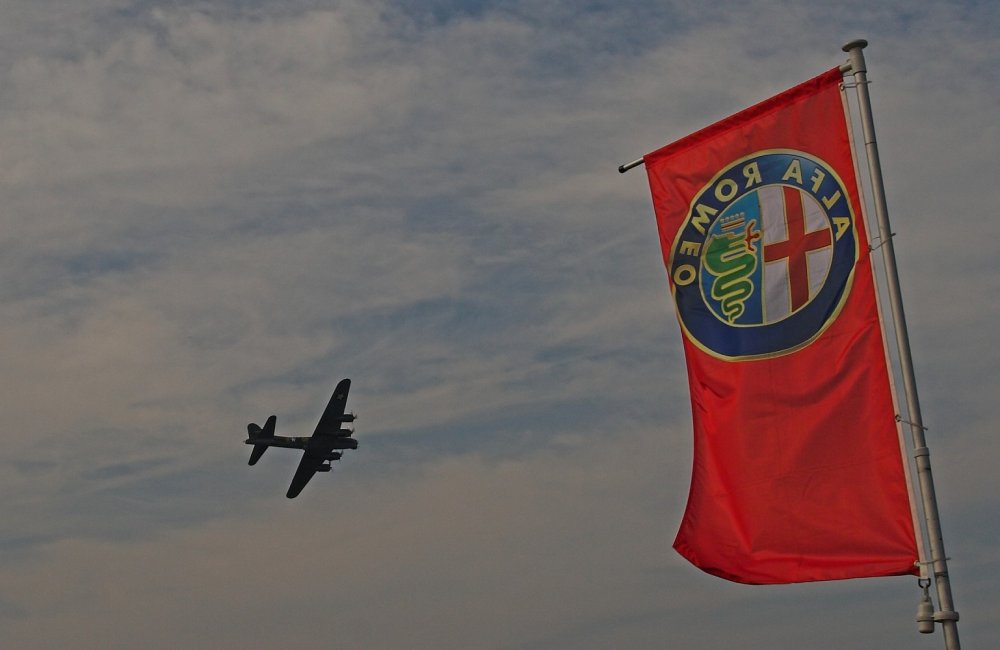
x=318, y=449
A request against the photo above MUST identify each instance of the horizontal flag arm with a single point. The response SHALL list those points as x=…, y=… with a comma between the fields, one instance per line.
x=627, y=166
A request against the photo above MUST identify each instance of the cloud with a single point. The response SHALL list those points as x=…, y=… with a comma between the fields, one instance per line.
x=213, y=211
x=387, y=572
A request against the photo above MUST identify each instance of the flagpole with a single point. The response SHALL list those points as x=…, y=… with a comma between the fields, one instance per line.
x=946, y=614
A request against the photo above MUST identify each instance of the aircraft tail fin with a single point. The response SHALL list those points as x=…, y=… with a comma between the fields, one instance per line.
x=267, y=432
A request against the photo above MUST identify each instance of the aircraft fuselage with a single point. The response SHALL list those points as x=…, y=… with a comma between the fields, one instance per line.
x=343, y=441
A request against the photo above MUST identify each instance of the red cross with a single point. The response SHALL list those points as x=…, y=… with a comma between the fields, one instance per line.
x=794, y=248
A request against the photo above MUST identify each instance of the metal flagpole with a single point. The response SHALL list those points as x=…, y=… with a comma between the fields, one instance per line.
x=946, y=614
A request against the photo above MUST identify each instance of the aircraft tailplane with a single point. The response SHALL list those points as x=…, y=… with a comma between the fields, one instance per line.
x=258, y=451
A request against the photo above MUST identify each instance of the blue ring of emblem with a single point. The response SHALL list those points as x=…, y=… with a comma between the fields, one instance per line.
x=716, y=329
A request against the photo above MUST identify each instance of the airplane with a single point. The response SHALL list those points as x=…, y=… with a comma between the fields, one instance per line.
x=318, y=450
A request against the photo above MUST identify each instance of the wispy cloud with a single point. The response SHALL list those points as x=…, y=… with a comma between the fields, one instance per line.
x=213, y=211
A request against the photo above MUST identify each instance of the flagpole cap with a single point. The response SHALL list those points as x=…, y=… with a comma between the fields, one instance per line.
x=859, y=43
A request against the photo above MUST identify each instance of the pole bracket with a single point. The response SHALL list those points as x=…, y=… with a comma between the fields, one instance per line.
x=881, y=242
x=899, y=418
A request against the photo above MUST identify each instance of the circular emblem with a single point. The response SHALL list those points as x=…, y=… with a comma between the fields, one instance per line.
x=765, y=258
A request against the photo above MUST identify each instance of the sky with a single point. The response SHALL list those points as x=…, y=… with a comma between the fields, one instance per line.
x=214, y=211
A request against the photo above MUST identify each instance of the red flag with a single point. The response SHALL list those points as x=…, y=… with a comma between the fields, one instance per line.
x=798, y=472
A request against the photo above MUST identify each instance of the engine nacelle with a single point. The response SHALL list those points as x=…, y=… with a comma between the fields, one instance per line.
x=323, y=468
x=333, y=456
x=346, y=443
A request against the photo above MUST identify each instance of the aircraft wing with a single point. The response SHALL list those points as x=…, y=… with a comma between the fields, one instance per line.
x=319, y=453
x=319, y=450
x=307, y=467
x=333, y=416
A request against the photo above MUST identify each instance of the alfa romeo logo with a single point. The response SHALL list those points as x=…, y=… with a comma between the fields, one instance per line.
x=765, y=259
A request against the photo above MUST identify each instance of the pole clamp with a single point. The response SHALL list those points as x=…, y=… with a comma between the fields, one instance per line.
x=940, y=617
